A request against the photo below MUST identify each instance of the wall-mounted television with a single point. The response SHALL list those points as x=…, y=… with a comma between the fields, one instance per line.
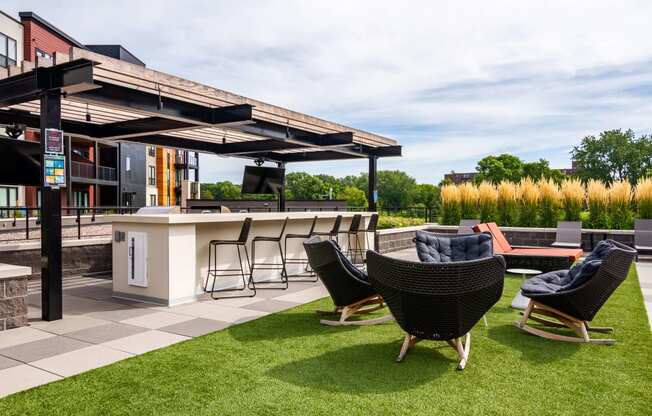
x=262, y=180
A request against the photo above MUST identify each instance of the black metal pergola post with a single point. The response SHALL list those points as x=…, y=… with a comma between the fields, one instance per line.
x=51, y=277
x=373, y=184
x=281, y=194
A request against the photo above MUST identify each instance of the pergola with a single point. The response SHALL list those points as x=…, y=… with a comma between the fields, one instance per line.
x=87, y=94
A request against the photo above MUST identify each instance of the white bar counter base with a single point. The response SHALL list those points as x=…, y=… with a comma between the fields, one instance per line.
x=170, y=251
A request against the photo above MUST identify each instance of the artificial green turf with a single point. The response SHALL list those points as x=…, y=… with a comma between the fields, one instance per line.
x=287, y=363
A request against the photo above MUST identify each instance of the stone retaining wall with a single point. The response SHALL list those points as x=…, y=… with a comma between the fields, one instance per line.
x=78, y=258
x=13, y=302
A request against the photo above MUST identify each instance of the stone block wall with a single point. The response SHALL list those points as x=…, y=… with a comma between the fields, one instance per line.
x=13, y=302
x=95, y=258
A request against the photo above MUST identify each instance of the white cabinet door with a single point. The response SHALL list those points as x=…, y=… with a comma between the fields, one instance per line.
x=137, y=273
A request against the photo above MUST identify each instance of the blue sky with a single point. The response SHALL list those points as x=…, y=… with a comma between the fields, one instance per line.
x=453, y=83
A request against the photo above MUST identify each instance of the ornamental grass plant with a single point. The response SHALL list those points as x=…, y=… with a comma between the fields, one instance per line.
x=528, y=200
x=487, y=201
x=468, y=200
x=550, y=198
x=572, y=199
x=598, y=201
x=450, y=205
x=620, y=205
x=643, y=198
x=506, y=204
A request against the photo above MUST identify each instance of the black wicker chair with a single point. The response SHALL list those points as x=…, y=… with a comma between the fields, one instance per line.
x=575, y=308
x=348, y=286
x=437, y=301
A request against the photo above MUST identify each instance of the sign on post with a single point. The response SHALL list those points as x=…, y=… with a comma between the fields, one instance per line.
x=54, y=171
x=54, y=141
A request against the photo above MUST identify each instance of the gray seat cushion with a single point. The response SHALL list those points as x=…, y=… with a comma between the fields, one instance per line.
x=350, y=267
x=580, y=273
x=433, y=248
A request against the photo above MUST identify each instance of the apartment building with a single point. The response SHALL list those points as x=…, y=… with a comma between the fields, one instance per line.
x=101, y=173
x=11, y=53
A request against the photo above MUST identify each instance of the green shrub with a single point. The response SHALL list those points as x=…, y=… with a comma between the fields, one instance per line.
x=385, y=222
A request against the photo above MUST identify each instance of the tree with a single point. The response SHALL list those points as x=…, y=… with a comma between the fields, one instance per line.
x=302, y=185
x=395, y=188
x=614, y=155
x=427, y=194
x=541, y=169
x=220, y=190
x=355, y=198
x=331, y=183
x=495, y=169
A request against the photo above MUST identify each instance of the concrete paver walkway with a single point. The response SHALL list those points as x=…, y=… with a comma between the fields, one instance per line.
x=98, y=330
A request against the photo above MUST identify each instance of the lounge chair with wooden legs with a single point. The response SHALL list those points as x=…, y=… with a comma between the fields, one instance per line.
x=348, y=286
x=571, y=298
x=437, y=301
x=540, y=258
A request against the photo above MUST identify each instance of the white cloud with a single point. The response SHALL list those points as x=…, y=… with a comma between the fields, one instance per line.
x=451, y=81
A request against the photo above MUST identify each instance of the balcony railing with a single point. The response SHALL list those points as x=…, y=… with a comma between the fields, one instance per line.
x=87, y=170
x=82, y=170
x=108, y=174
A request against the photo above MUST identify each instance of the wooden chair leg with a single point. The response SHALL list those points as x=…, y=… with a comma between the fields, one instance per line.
x=581, y=328
x=404, y=348
x=364, y=306
x=463, y=350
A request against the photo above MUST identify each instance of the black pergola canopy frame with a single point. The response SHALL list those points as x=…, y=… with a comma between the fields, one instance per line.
x=275, y=142
x=49, y=97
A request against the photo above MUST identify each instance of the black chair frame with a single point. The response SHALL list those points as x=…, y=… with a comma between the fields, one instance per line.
x=215, y=272
x=308, y=275
x=269, y=266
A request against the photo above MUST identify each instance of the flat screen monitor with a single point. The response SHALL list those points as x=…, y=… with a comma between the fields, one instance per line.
x=262, y=180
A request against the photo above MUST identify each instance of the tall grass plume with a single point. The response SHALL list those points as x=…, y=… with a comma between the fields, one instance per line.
x=572, y=194
x=506, y=205
x=598, y=201
x=450, y=205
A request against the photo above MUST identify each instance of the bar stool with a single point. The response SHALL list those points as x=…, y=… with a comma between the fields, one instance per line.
x=215, y=272
x=333, y=232
x=371, y=228
x=353, y=231
x=269, y=266
x=301, y=260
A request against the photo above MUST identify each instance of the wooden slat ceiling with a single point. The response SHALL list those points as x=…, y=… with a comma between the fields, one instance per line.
x=124, y=74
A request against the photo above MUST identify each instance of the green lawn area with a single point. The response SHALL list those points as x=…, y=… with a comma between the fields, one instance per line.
x=289, y=364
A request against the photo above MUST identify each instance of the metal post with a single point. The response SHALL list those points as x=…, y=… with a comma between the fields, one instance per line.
x=281, y=195
x=51, y=290
x=373, y=184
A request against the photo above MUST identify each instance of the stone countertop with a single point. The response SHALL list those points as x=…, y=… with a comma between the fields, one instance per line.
x=231, y=217
x=10, y=271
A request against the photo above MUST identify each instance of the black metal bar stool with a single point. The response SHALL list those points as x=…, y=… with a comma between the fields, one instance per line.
x=371, y=228
x=213, y=264
x=333, y=232
x=269, y=266
x=353, y=231
x=301, y=260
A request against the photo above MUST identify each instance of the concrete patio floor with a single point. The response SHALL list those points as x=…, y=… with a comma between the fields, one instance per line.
x=97, y=330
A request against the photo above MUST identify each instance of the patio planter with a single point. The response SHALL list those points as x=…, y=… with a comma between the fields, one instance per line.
x=13, y=296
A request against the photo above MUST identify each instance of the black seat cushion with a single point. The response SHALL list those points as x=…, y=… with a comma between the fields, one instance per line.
x=350, y=267
x=580, y=273
x=433, y=248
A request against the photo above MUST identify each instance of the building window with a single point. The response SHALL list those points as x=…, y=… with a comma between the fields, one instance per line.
x=8, y=51
x=151, y=175
x=42, y=54
x=8, y=198
x=151, y=151
x=152, y=200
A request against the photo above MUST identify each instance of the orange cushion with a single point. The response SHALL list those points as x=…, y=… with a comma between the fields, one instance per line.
x=572, y=253
x=484, y=228
x=499, y=237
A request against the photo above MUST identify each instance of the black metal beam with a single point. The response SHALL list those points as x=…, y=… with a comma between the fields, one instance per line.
x=129, y=98
x=51, y=283
x=381, y=151
x=70, y=77
x=33, y=121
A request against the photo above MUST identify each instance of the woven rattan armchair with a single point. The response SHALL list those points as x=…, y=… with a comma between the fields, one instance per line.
x=575, y=308
x=437, y=301
x=348, y=286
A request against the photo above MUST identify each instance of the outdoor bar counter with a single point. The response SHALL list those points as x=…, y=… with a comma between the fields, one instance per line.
x=163, y=258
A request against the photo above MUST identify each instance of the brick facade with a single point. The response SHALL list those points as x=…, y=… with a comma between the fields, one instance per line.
x=37, y=36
